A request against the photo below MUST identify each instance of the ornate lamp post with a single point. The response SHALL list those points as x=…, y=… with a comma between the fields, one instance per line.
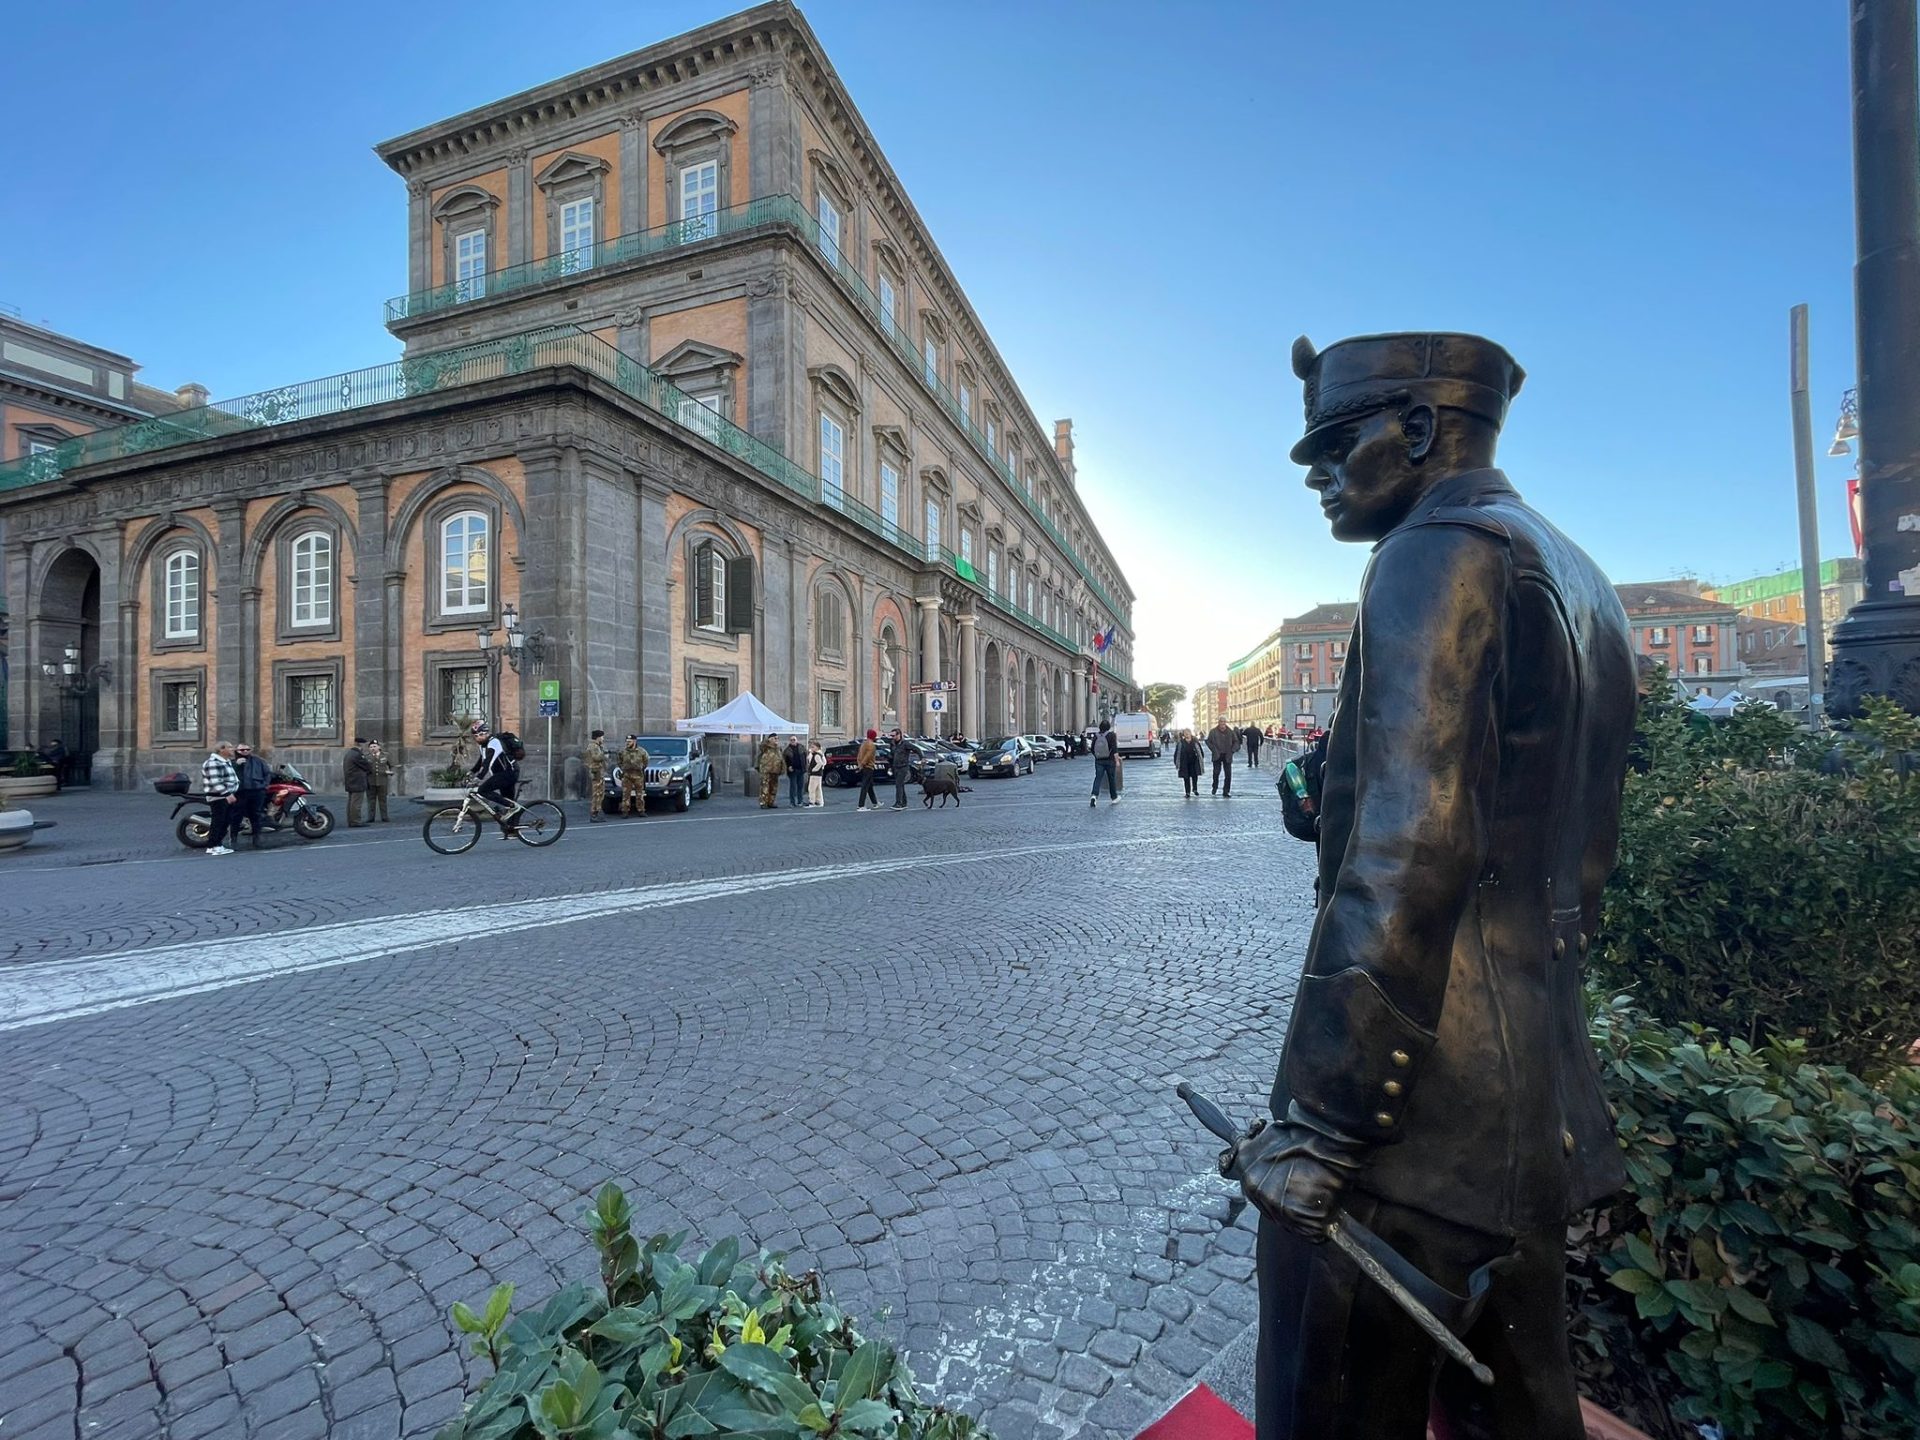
x=1876, y=649
x=73, y=679
x=521, y=649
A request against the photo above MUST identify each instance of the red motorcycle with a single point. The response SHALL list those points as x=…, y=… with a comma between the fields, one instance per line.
x=290, y=805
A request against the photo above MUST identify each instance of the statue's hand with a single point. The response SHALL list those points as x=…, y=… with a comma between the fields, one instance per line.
x=1295, y=1173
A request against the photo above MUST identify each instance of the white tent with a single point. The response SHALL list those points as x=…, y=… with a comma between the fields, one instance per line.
x=742, y=715
x=1722, y=707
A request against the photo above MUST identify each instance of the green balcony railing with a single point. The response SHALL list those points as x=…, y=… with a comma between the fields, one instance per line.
x=304, y=400
x=574, y=264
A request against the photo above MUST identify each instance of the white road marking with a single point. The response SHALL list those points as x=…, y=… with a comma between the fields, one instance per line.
x=47, y=992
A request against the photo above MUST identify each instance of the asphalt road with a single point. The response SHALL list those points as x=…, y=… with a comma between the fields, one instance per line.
x=264, y=1117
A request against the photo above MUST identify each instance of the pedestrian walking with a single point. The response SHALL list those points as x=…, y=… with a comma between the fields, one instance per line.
x=1254, y=737
x=221, y=787
x=1187, y=764
x=250, y=795
x=1106, y=765
x=864, y=761
x=770, y=763
x=1223, y=741
x=357, y=777
x=633, y=778
x=595, y=759
x=816, y=775
x=900, y=760
x=379, y=780
x=796, y=757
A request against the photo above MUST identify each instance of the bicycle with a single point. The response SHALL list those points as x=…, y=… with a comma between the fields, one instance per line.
x=456, y=828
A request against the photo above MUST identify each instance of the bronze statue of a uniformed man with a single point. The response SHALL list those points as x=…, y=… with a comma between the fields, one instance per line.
x=1438, y=1083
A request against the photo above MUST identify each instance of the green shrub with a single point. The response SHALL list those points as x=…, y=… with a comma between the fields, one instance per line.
x=1761, y=897
x=1766, y=1252
x=663, y=1348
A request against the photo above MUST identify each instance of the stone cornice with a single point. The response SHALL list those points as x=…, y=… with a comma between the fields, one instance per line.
x=613, y=87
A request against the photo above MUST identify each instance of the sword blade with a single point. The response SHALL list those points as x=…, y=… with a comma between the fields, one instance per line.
x=1377, y=1259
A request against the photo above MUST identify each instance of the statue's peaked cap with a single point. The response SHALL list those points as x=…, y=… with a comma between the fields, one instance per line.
x=1367, y=372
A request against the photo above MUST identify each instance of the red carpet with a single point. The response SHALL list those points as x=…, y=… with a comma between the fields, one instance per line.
x=1200, y=1415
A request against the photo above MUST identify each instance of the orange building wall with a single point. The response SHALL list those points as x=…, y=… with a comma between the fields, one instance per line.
x=210, y=582
x=494, y=182
x=601, y=147
x=723, y=323
x=14, y=413
x=733, y=105
x=271, y=648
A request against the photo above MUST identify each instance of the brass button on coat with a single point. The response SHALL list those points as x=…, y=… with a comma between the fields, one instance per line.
x=1583, y=944
x=1383, y=1120
x=1393, y=1087
x=1566, y=1141
x=1560, y=946
x=1401, y=1059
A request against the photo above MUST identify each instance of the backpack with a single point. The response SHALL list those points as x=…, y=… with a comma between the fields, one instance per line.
x=1300, y=792
x=511, y=747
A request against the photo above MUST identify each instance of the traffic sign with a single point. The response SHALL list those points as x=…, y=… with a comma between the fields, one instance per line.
x=550, y=709
x=929, y=686
x=550, y=690
x=936, y=703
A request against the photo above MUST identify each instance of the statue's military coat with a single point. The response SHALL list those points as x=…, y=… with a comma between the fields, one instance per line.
x=1470, y=809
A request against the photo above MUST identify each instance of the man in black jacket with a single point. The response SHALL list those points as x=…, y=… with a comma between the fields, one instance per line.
x=356, y=779
x=900, y=759
x=1437, y=1081
x=252, y=773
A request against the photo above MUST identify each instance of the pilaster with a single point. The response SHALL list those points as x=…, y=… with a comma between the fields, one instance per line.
x=773, y=660
x=773, y=133
x=419, y=236
x=371, y=680
x=633, y=174
x=656, y=629
x=930, y=655
x=520, y=219
x=229, y=620
x=970, y=682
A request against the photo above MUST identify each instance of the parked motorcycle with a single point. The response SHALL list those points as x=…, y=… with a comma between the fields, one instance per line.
x=290, y=806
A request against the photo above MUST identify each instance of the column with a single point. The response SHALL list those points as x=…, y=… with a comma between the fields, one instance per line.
x=930, y=653
x=969, y=676
x=773, y=626
x=1079, y=689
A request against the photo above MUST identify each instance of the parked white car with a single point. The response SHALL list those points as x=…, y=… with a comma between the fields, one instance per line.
x=1136, y=734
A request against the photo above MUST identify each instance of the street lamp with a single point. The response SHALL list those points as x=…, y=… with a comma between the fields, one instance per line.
x=519, y=648
x=74, y=680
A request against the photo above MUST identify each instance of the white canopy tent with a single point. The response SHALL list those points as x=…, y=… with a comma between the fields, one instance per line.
x=742, y=715
x=1722, y=707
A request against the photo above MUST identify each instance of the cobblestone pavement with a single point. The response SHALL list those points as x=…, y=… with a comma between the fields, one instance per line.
x=264, y=1117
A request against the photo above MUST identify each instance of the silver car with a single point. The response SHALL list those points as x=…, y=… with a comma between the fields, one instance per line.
x=677, y=769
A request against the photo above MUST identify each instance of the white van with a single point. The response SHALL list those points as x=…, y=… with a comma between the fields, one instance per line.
x=1134, y=734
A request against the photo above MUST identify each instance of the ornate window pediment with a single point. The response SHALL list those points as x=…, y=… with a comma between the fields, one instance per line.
x=892, y=437
x=571, y=166
x=835, y=382
x=465, y=202
x=696, y=127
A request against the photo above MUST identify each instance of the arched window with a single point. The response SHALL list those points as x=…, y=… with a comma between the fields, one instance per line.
x=464, y=564
x=312, y=587
x=830, y=625
x=183, y=595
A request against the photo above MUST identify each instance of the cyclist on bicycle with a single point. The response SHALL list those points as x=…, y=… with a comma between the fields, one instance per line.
x=495, y=772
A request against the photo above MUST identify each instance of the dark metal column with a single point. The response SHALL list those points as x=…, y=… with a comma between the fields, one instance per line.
x=1876, y=649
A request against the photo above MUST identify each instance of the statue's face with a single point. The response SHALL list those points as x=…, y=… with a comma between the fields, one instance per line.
x=1367, y=471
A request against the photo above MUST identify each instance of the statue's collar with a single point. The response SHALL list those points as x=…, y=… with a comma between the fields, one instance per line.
x=1466, y=488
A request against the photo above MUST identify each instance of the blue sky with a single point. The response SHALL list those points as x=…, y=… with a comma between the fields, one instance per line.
x=1146, y=203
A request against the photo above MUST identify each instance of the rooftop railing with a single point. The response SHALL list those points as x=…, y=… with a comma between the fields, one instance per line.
x=572, y=264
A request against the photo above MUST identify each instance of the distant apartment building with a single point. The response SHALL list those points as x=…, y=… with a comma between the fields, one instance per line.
x=1676, y=624
x=1209, y=705
x=1290, y=679
x=1315, y=658
x=1773, y=613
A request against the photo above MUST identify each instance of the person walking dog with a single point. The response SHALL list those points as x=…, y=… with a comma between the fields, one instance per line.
x=900, y=761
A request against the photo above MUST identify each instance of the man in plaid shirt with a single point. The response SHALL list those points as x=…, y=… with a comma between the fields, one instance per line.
x=221, y=786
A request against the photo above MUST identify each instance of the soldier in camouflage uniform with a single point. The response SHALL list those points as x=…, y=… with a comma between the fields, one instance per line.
x=633, y=777
x=596, y=762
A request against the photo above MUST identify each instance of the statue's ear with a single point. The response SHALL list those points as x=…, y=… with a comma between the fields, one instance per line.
x=1417, y=425
x=1303, y=357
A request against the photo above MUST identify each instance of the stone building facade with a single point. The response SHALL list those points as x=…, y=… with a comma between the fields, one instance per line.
x=1209, y=705
x=1294, y=673
x=687, y=385
x=1695, y=637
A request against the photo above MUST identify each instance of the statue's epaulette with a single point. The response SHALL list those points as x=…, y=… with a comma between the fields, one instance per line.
x=1469, y=516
